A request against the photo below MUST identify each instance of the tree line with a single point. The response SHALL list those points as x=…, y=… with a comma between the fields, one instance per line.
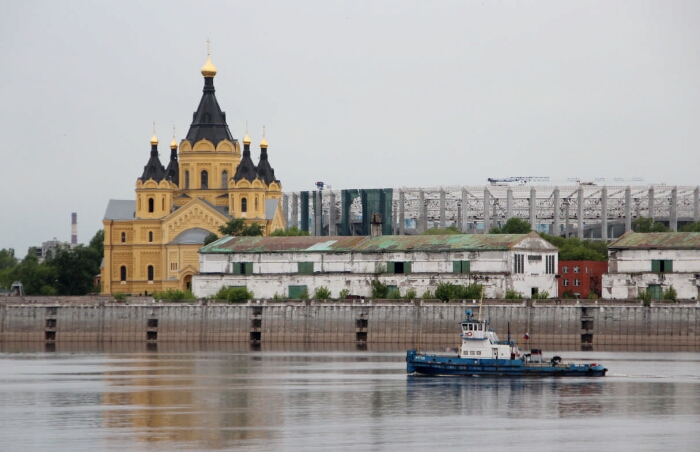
x=65, y=270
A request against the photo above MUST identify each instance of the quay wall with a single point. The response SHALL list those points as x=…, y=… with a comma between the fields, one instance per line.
x=551, y=323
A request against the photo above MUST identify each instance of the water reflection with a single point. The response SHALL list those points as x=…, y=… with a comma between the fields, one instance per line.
x=301, y=397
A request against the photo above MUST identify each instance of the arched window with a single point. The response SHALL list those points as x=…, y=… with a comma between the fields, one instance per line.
x=162, y=204
x=123, y=237
x=224, y=179
x=205, y=179
x=256, y=203
x=150, y=236
x=150, y=205
x=187, y=179
x=244, y=205
x=122, y=273
x=150, y=272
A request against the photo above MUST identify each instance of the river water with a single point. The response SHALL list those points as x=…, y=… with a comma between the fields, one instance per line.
x=337, y=399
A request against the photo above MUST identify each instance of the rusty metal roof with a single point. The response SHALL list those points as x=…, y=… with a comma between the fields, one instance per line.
x=436, y=243
x=657, y=240
x=363, y=244
x=282, y=244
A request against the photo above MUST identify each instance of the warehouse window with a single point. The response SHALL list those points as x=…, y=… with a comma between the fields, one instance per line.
x=305, y=268
x=577, y=282
x=550, y=265
x=298, y=292
x=398, y=267
x=577, y=269
x=662, y=266
x=565, y=282
x=565, y=269
x=242, y=268
x=461, y=267
x=519, y=263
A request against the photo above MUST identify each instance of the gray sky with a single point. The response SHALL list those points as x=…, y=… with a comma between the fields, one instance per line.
x=356, y=94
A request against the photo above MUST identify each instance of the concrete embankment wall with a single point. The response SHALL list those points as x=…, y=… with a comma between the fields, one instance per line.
x=54, y=320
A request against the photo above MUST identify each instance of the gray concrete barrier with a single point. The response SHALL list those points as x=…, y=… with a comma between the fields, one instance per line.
x=551, y=323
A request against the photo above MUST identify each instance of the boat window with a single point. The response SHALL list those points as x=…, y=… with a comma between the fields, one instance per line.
x=478, y=353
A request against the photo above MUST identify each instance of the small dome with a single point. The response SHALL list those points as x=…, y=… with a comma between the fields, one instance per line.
x=208, y=70
x=246, y=140
x=173, y=144
x=154, y=140
x=263, y=143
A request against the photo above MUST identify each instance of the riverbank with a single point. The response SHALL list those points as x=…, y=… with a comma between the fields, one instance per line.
x=565, y=323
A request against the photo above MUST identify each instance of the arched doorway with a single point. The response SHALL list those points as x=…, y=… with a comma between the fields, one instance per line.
x=186, y=281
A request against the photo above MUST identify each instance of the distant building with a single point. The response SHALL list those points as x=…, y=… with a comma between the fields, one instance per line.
x=654, y=262
x=290, y=266
x=49, y=247
x=581, y=278
x=151, y=242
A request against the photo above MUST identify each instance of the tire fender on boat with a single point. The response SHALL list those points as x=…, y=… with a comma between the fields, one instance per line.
x=556, y=360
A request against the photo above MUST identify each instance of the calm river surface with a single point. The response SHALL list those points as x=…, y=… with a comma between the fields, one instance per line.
x=337, y=399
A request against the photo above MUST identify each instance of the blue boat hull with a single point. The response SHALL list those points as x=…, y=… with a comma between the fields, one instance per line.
x=417, y=363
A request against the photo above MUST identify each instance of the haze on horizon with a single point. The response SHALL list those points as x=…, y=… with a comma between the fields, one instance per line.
x=356, y=94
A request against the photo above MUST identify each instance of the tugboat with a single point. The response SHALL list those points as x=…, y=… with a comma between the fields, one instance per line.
x=483, y=354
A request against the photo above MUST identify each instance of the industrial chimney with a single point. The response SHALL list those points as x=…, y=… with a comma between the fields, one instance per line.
x=74, y=228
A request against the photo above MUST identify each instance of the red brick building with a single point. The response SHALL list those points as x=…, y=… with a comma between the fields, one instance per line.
x=580, y=278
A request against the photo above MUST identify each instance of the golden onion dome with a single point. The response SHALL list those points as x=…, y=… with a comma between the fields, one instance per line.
x=263, y=143
x=154, y=140
x=246, y=140
x=208, y=70
x=173, y=144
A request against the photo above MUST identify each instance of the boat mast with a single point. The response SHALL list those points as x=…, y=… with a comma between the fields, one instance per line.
x=481, y=302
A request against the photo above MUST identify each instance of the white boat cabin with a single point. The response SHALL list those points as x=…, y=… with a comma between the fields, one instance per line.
x=481, y=342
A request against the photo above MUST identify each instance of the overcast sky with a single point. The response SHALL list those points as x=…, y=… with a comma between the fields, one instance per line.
x=355, y=94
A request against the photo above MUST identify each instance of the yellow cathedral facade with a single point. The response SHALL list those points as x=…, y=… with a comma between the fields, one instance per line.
x=152, y=242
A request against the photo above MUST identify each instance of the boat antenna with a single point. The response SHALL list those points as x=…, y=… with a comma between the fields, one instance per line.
x=481, y=302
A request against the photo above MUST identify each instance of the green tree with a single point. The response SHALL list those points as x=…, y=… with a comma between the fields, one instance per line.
x=7, y=258
x=645, y=224
x=237, y=227
x=75, y=269
x=449, y=230
x=575, y=249
x=691, y=227
x=513, y=226
x=8, y=262
x=211, y=238
x=37, y=279
x=97, y=242
x=293, y=231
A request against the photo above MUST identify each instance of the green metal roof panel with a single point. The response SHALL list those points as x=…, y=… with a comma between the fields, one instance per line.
x=436, y=243
x=657, y=240
x=283, y=244
x=363, y=244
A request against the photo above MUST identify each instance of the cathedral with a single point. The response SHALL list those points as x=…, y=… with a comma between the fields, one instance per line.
x=152, y=242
